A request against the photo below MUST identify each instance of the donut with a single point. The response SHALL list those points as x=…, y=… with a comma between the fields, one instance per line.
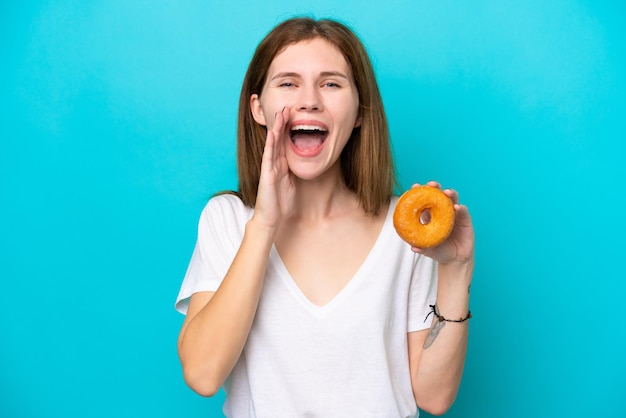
x=424, y=216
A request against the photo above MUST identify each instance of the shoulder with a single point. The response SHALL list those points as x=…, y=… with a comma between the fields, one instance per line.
x=227, y=205
x=224, y=212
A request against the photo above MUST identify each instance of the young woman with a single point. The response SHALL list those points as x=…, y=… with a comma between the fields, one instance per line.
x=300, y=298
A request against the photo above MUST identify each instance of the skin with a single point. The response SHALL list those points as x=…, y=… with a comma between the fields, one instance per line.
x=319, y=229
x=320, y=91
x=321, y=217
x=437, y=356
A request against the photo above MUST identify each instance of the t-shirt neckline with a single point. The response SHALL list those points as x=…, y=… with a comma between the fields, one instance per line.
x=321, y=311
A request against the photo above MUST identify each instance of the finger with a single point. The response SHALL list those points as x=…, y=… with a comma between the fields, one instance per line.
x=278, y=125
x=286, y=112
x=280, y=121
x=428, y=252
x=453, y=195
x=462, y=212
x=428, y=183
x=279, y=129
x=268, y=150
x=433, y=183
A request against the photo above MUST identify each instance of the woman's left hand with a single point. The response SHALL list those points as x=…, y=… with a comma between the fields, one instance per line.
x=458, y=248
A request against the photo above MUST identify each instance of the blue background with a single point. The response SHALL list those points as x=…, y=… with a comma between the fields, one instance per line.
x=118, y=122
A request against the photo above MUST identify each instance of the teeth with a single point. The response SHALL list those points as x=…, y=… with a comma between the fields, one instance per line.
x=307, y=128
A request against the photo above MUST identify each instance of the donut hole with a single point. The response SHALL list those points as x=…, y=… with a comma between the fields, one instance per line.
x=425, y=217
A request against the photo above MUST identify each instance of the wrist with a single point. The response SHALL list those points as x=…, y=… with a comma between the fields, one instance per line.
x=261, y=230
x=457, y=272
x=441, y=318
x=453, y=289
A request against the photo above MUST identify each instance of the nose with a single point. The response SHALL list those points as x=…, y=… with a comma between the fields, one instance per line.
x=309, y=99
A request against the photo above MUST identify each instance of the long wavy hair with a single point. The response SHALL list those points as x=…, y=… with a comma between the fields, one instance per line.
x=366, y=161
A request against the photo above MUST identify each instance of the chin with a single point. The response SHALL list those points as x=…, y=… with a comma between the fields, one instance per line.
x=306, y=175
x=308, y=169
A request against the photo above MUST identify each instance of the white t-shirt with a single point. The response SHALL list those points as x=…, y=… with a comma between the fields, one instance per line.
x=348, y=358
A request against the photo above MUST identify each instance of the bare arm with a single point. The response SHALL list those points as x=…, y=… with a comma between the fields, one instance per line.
x=217, y=324
x=437, y=355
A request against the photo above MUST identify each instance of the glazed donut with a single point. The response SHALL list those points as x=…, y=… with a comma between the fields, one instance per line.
x=411, y=220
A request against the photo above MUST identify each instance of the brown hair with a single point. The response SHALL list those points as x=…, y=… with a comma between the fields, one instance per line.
x=366, y=160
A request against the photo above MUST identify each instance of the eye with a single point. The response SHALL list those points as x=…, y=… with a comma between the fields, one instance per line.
x=286, y=84
x=332, y=85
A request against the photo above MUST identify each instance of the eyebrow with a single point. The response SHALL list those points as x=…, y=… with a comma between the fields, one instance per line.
x=288, y=74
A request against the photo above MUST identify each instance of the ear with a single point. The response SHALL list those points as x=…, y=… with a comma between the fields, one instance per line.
x=257, y=110
x=357, y=124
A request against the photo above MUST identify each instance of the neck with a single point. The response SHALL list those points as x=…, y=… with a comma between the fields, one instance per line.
x=324, y=197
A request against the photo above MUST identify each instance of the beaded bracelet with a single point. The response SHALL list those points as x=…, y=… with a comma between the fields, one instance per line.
x=441, y=318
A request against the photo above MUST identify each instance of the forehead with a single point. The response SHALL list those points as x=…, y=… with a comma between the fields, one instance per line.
x=310, y=56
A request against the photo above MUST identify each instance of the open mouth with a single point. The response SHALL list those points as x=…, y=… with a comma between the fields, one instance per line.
x=307, y=138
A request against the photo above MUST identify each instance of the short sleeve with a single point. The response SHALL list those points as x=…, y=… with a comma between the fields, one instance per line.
x=220, y=232
x=422, y=292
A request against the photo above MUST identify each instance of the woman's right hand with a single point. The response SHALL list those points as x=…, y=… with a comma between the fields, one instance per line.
x=218, y=323
x=276, y=187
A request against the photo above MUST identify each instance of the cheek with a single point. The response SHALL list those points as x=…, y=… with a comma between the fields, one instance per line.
x=351, y=118
x=270, y=110
x=349, y=109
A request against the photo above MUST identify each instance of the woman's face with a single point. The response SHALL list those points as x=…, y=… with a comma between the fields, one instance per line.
x=312, y=79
